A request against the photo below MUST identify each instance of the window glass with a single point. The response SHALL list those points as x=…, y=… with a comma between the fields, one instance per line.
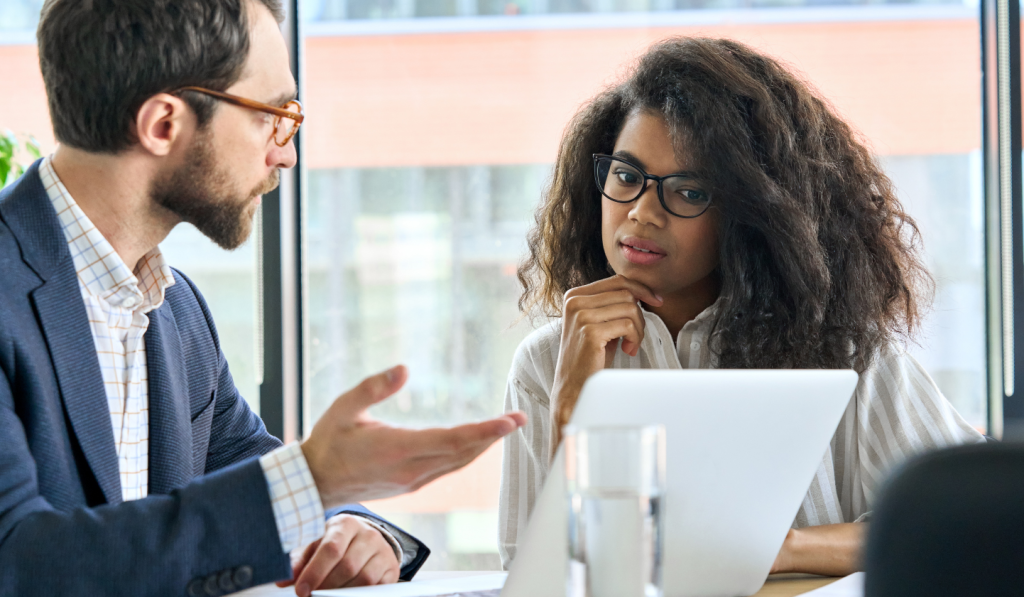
x=226, y=279
x=18, y=17
x=432, y=126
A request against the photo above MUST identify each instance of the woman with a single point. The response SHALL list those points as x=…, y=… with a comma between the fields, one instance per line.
x=712, y=211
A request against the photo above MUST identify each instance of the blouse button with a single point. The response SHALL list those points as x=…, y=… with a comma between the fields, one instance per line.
x=695, y=346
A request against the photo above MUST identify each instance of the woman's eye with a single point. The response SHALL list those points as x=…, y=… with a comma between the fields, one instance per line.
x=692, y=195
x=627, y=177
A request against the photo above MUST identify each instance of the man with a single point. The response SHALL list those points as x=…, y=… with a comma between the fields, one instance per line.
x=130, y=465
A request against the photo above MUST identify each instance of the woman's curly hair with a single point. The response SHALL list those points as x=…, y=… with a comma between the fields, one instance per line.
x=819, y=263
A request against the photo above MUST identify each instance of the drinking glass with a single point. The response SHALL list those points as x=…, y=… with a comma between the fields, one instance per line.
x=615, y=490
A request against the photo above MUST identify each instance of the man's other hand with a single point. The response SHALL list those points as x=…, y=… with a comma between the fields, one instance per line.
x=353, y=457
x=352, y=553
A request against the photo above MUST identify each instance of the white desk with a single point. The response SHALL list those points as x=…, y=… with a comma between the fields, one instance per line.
x=782, y=585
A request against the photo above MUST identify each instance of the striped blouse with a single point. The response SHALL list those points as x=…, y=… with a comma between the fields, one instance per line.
x=896, y=411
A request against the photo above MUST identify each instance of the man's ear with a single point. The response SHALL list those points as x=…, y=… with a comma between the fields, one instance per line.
x=162, y=121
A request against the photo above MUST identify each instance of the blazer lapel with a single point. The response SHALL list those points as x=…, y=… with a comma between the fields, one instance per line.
x=65, y=324
x=170, y=429
x=28, y=213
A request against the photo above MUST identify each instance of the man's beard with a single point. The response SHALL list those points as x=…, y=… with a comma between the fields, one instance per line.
x=202, y=195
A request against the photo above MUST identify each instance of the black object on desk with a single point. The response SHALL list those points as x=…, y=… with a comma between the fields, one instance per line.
x=951, y=523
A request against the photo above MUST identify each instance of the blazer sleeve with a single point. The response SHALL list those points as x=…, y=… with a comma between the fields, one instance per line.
x=219, y=528
x=237, y=433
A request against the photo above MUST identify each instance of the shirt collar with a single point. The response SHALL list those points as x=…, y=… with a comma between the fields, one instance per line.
x=700, y=323
x=703, y=319
x=101, y=271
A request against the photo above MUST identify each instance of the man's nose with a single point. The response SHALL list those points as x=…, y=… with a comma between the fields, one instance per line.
x=283, y=157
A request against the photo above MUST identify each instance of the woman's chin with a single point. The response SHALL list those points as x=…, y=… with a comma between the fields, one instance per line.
x=640, y=273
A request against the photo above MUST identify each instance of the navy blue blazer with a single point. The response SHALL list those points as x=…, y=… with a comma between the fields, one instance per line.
x=64, y=530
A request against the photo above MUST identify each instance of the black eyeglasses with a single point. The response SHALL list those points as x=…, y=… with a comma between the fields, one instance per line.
x=624, y=182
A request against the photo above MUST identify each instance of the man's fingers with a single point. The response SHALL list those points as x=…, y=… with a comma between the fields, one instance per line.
x=370, y=391
x=299, y=563
x=332, y=549
x=348, y=569
x=441, y=451
x=474, y=436
x=372, y=573
x=518, y=417
x=391, y=575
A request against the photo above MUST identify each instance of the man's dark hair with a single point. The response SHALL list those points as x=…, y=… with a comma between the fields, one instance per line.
x=102, y=59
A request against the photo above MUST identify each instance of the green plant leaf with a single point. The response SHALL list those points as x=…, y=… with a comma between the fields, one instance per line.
x=10, y=145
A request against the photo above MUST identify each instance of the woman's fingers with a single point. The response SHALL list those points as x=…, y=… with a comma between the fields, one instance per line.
x=595, y=317
x=620, y=311
x=580, y=303
x=596, y=336
x=640, y=291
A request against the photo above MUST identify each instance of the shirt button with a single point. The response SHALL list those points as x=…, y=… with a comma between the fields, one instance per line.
x=695, y=346
x=130, y=302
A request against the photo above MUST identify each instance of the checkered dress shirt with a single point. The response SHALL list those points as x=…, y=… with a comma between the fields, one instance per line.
x=117, y=300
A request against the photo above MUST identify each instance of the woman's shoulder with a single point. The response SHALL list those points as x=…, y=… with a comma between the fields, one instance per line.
x=899, y=410
x=541, y=343
x=889, y=371
x=896, y=385
x=536, y=357
x=892, y=362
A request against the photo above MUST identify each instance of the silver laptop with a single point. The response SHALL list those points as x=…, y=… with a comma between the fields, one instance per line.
x=742, y=449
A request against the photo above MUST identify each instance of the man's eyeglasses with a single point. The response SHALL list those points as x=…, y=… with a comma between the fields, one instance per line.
x=624, y=182
x=287, y=119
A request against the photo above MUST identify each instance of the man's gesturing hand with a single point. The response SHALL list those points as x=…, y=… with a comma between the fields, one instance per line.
x=352, y=553
x=353, y=457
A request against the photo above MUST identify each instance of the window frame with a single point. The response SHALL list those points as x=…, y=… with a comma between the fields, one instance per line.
x=1004, y=227
x=279, y=276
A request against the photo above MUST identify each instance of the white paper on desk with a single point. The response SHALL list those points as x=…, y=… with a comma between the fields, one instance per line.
x=423, y=588
x=267, y=590
x=848, y=586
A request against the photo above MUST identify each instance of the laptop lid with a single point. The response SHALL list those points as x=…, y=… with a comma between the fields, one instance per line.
x=742, y=447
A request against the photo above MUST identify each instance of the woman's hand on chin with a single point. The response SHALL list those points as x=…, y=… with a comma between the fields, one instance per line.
x=594, y=318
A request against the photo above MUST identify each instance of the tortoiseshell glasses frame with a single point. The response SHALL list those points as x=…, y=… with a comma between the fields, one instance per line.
x=292, y=110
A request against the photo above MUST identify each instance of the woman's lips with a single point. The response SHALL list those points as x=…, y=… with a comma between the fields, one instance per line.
x=641, y=252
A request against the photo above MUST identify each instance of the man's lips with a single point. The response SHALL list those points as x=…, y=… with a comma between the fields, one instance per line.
x=641, y=251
